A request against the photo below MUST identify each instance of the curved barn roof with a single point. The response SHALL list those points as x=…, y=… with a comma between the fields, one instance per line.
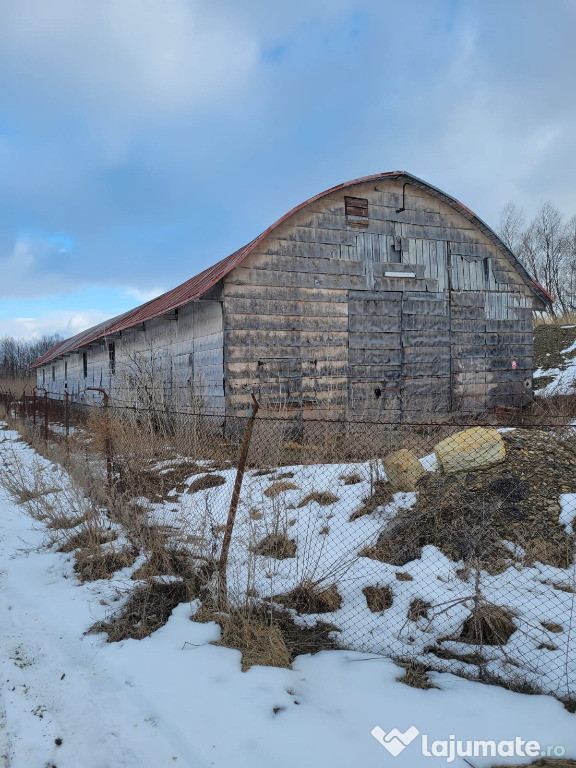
x=201, y=283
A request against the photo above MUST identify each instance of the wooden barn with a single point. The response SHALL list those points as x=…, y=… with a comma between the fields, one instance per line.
x=383, y=295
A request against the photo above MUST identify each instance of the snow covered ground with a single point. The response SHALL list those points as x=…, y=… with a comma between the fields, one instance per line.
x=72, y=700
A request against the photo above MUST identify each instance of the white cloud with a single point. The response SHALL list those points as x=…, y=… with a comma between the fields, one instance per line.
x=142, y=296
x=63, y=322
x=134, y=58
x=35, y=266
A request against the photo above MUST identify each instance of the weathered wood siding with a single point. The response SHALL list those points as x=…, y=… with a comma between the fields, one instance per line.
x=411, y=310
x=174, y=360
x=417, y=311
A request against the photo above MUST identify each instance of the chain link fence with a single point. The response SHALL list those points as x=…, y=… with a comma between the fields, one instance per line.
x=444, y=546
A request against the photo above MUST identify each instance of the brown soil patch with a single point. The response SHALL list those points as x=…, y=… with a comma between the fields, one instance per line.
x=468, y=514
x=157, y=484
x=549, y=341
x=167, y=562
x=378, y=598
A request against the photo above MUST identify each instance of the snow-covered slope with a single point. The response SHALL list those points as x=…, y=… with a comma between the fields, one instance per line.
x=173, y=699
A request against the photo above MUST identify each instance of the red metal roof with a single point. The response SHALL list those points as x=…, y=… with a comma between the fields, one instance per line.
x=201, y=283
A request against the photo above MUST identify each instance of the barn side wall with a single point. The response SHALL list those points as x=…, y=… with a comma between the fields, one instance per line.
x=175, y=360
x=324, y=315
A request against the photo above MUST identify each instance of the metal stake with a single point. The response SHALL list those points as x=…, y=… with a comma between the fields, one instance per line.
x=222, y=585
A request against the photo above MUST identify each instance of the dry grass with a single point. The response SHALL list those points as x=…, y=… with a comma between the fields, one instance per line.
x=280, y=487
x=403, y=576
x=309, y=598
x=378, y=598
x=276, y=545
x=418, y=609
x=324, y=498
x=147, y=609
x=351, y=479
x=205, y=482
x=382, y=495
x=93, y=563
x=91, y=535
x=267, y=636
x=488, y=625
x=468, y=515
x=18, y=385
x=567, y=319
x=260, y=642
x=553, y=627
x=415, y=675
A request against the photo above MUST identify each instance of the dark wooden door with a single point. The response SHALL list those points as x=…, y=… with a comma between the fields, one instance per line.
x=399, y=353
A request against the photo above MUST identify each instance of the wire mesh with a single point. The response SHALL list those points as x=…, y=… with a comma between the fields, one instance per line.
x=444, y=545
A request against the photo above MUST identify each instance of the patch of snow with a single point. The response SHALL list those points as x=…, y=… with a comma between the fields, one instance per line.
x=568, y=511
x=430, y=462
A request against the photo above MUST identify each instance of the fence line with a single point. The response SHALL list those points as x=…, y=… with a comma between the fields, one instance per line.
x=448, y=546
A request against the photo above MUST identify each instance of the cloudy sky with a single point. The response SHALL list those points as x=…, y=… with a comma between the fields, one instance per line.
x=143, y=140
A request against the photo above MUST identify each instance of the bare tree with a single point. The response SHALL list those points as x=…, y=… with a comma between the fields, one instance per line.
x=512, y=225
x=547, y=247
x=17, y=355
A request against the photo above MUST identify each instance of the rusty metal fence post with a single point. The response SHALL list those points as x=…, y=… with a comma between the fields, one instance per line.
x=66, y=415
x=45, y=415
x=222, y=564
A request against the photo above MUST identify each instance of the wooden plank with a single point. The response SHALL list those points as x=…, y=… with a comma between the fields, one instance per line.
x=374, y=341
x=264, y=277
x=285, y=323
x=402, y=284
x=288, y=293
x=417, y=322
x=424, y=306
x=377, y=356
x=426, y=354
x=425, y=338
x=359, y=323
x=309, y=308
x=460, y=312
x=388, y=297
x=302, y=261
x=373, y=307
x=437, y=368
x=380, y=269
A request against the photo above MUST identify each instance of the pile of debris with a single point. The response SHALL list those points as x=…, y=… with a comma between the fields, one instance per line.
x=497, y=515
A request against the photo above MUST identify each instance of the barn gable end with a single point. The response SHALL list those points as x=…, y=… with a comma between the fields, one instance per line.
x=396, y=311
